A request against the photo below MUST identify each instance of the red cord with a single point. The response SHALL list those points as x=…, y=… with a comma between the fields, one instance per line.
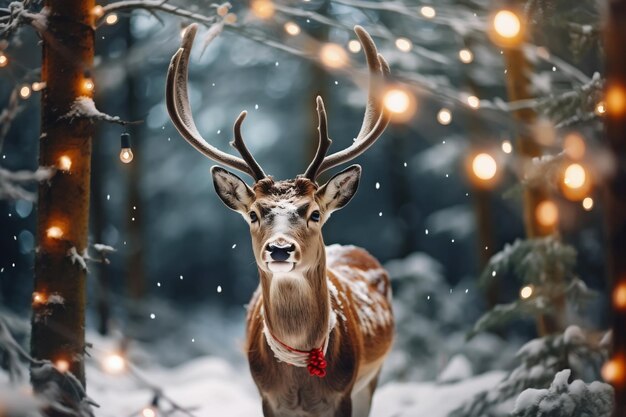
x=316, y=363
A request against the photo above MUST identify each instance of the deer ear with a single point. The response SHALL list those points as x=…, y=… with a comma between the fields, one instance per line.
x=232, y=190
x=340, y=189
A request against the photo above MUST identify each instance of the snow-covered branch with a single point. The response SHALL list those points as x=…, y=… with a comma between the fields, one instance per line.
x=84, y=108
x=12, y=183
x=153, y=6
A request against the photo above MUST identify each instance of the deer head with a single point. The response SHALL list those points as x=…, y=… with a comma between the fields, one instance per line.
x=285, y=217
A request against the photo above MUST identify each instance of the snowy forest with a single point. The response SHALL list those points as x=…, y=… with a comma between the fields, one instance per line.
x=491, y=208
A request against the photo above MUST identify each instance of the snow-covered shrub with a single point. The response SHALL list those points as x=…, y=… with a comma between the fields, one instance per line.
x=541, y=359
x=431, y=322
x=564, y=399
x=544, y=264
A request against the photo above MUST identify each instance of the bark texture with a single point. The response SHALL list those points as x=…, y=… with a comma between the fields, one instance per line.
x=58, y=329
x=615, y=39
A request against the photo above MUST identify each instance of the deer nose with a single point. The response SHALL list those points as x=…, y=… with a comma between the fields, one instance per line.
x=280, y=253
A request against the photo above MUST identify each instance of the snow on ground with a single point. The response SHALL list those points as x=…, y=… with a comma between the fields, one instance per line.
x=212, y=386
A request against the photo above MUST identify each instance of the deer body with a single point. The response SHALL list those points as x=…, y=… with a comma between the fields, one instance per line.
x=320, y=323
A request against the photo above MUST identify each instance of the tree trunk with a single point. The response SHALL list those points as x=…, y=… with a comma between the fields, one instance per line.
x=58, y=324
x=615, y=39
x=518, y=88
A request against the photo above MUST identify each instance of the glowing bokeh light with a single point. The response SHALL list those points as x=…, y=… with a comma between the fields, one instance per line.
x=333, y=55
x=292, y=28
x=507, y=24
x=575, y=176
x=619, y=296
x=404, y=44
x=54, y=232
x=428, y=12
x=111, y=19
x=526, y=292
x=114, y=363
x=444, y=116
x=263, y=9
x=484, y=166
x=466, y=56
x=587, y=203
x=354, y=46
x=507, y=147
x=547, y=213
x=574, y=146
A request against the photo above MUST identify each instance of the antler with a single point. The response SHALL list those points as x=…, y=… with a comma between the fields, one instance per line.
x=177, y=101
x=375, y=120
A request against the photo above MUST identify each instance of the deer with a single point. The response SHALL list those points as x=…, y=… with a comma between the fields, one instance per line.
x=320, y=323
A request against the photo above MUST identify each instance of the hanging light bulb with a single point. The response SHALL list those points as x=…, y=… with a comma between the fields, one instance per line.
x=526, y=292
x=354, y=46
x=466, y=56
x=25, y=91
x=506, y=28
x=126, y=154
x=473, y=102
x=444, y=116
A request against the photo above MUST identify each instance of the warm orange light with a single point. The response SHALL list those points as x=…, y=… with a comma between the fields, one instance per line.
x=619, y=296
x=64, y=163
x=230, y=19
x=97, y=11
x=588, y=203
x=54, y=232
x=574, y=146
x=3, y=60
x=38, y=298
x=473, y=102
x=397, y=101
x=114, y=363
x=292, y=28
x=404, y=44
x=263, y=9
x=444, y=116
x=222, y=10
x=466, y=56
x=507, y=147
x=88, y=84
x=526, y=292
x=25, y=91
x=615, y=100
x=354, y=46
x=38, y=86
x=333, y=55
x=126, y=155
x=600, y=108
x=62, y=365
x=575, y=176
x=613, y=370
x=428, y=12
x=111, y=19
x=484, y=166
x=507, y=24
x=547, y=213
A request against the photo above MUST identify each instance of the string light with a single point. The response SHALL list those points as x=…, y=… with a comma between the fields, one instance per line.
x=613, y=370
x=38, y=86
x=444, y=116
x=148, y=412
x=230, y=19
x=126, y=154
x=400, y=103
x=292, y=28
x=111, y=19
x=4, y=60
x=354, y=46
x=507, y=24
x=333, y=55
x=428, y=12
x=114, y=363
x=25, y=91
x=97, y=11
x=588, y=203
x=574, y=146
x=88, y=84
x=619, y=296
x=263, y=9
x=404, y=44
x=615, y=100
x=600, y=108
x=54, y=232
x=222, y=10
x=38, y=298
x=507, y=147
x=526, y=292
x=62, y=365
x=575, y=176
x=473, y=102
x=547, y=213
x=466, y=56
x=484, y=166
x=65, y=163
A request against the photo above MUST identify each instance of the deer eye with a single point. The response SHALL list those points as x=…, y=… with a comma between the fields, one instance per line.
x=315, y=216
x=253, y=217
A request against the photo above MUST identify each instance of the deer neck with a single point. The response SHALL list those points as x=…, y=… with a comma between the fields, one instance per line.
x=296, y=305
